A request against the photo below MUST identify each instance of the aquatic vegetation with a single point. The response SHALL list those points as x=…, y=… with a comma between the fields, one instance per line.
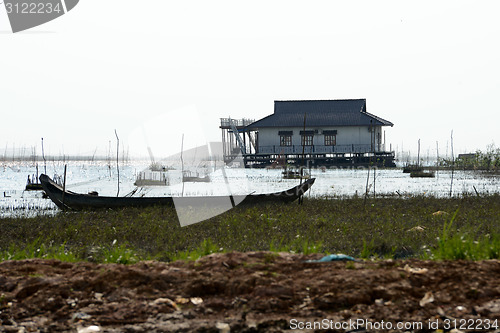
x=380, y=228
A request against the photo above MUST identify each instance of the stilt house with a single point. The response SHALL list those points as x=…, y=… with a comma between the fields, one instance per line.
x=322, y=132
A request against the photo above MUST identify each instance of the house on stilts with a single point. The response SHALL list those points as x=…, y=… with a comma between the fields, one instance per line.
x=310, y=132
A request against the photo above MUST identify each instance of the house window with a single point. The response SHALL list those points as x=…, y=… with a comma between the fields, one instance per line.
x=307, y=140
x=330, y=140
x=285, y=138
x=330, y=137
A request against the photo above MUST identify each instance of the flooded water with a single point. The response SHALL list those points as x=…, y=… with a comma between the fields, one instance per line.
x=83, y=177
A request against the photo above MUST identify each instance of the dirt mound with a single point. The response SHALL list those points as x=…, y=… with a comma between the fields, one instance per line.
x=248, y=292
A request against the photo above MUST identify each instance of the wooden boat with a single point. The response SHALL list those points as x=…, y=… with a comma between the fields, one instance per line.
x=422, y=174
x=189, y=177
x=33, y=183
x=412, y=168
x=415, y=169
x=75, y=201
x=152, y=178
x=150, y=182
x=289, y=174
x=33, y=187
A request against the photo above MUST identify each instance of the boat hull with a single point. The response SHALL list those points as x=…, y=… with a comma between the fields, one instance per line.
x=76, y=201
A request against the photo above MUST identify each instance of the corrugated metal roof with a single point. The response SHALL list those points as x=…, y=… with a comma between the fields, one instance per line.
x=346, y=112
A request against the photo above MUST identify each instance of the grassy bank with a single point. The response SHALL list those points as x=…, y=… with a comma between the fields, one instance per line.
x=423, y=227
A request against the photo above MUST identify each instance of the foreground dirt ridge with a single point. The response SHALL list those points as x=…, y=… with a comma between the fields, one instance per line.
x=248, y=292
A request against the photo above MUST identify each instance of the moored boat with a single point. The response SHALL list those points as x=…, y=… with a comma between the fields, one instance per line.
x=412, y=168
x=422, y=174
x=65, y=199
x=188, y=177
x=33, y=187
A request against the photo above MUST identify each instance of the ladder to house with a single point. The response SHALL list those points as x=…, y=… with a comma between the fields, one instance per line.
x=233, y=123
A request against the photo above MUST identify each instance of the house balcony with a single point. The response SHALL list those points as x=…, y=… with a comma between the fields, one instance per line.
x=320, y=149
x=238, y=123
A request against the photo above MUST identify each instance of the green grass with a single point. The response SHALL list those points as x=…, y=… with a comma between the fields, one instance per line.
x=37, y=249
x=379, y=228
x=206, y=248
x=119, y=254
x=463, y=245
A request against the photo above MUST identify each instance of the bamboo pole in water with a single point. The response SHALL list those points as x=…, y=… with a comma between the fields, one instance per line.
x=437, y=160
x=452, y=164
x=109, y=158
x=44, y=161
x=182, y=165
x=117, y=164
x=64, y=186
x=418, y=154
x=370, y=162
x=366, y=189
x=303, y=151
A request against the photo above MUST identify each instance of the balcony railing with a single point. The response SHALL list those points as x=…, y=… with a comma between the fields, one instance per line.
x=319, y=149
x=226, y=122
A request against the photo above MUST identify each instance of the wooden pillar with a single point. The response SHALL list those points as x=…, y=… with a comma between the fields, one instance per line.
x=244, y=141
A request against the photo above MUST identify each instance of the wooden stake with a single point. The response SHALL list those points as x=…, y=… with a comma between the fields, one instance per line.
x=109, y=158
x=64, y=186
x=182, y=165
x=372, y=147
x=44, y=161
x=303, y=152
x=367, y=180
x=437, y=159
x=117, y=165
x=452, y=164
x=477, y=193
x=418, y=154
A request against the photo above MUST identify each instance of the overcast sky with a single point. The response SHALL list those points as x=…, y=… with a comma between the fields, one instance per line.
x=154, y=70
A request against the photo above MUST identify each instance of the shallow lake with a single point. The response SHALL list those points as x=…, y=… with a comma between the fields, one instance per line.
x=84, y=177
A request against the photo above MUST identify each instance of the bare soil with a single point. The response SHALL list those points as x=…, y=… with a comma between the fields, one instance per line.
x=246, y=292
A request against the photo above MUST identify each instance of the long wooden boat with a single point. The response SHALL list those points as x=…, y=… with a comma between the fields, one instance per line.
x=75, y=201
x=289, y=174
x=33, y=187
x=195, y=179
x=422, y=174
x=412, y=168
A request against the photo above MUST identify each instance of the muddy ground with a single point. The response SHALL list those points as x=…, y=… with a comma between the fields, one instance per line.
x=249, y=292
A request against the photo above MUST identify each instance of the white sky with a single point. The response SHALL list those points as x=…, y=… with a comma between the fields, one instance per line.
x=427, y=66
